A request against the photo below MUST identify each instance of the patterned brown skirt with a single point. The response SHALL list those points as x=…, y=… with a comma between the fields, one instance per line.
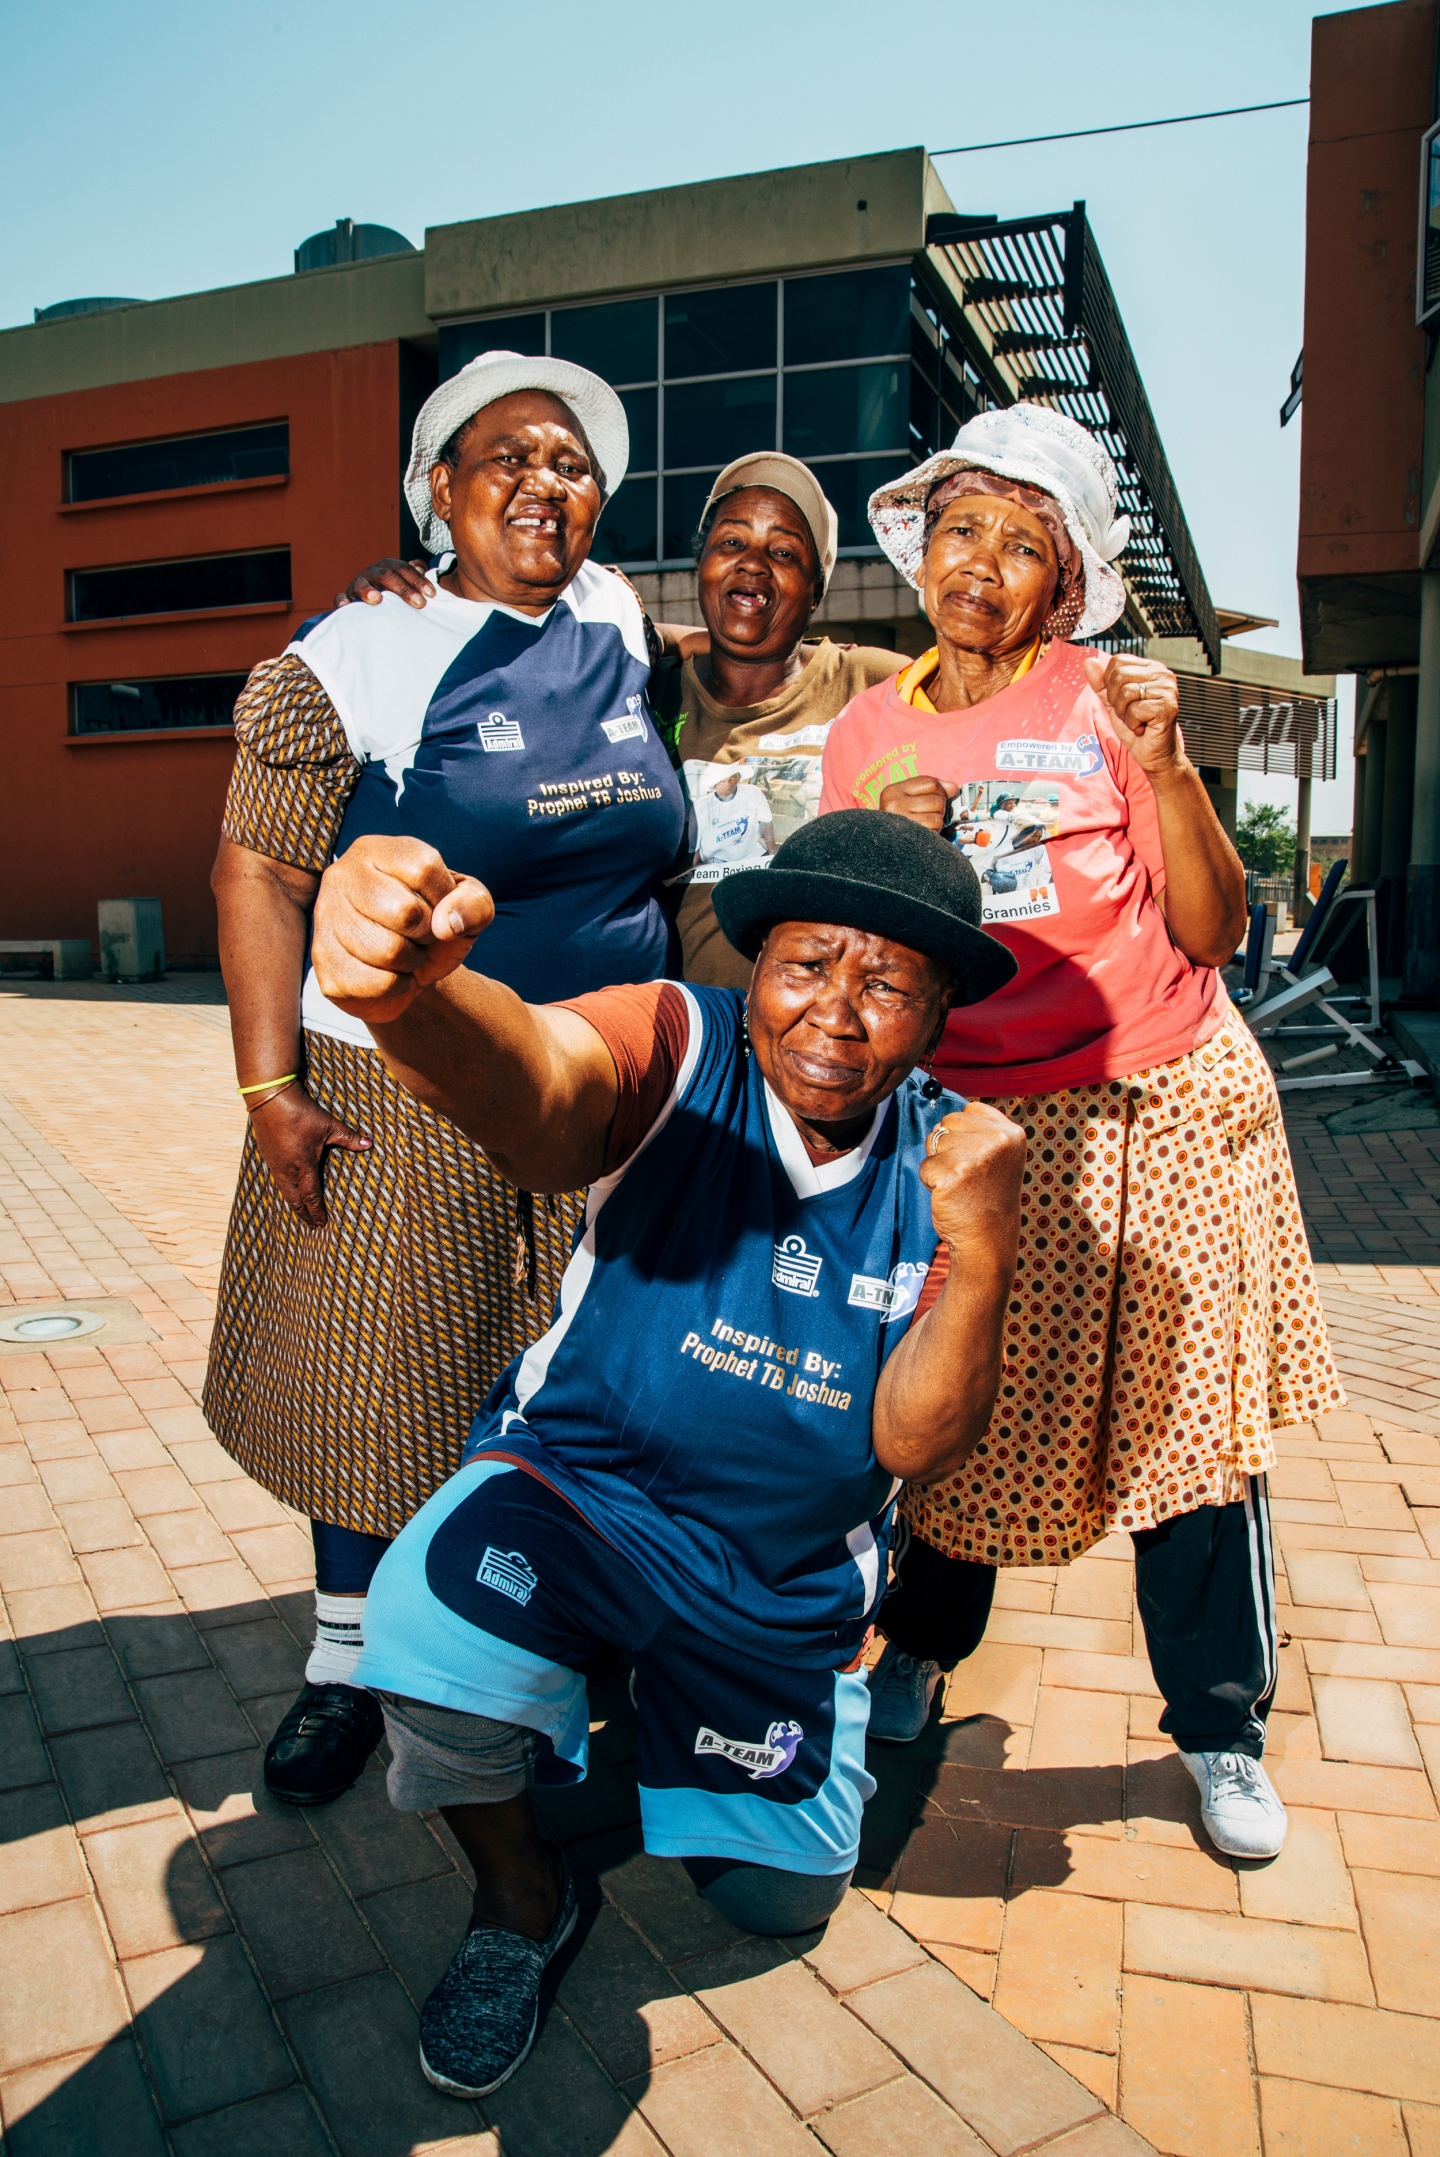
x=1164, y=1318
x=348, y=1362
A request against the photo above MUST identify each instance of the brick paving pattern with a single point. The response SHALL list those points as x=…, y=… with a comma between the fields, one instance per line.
x=1043, y=1951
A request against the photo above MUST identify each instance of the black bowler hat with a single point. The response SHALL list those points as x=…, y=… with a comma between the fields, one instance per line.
x=864, y=869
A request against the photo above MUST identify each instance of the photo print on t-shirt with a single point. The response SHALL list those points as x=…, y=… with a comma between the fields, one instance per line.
x=1002, y=828
x=740, y=813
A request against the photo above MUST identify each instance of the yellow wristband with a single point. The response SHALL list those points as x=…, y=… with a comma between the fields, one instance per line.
x=288, y=1080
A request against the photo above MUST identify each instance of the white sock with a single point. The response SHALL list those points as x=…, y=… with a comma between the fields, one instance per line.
x=339, y=1638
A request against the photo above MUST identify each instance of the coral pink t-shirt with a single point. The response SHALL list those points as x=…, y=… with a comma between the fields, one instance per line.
x=1061, y=826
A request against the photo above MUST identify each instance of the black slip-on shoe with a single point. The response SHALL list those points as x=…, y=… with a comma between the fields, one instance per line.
x=479, y=2023
x=322, y=1744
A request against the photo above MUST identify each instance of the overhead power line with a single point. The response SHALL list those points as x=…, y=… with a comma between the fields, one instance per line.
x=1125, y=127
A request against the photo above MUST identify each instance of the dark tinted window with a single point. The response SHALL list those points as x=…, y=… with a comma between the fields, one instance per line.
x=618, y=342
x=684, y=499
x=847, y=316
x=719, y=332
x=924, y=416
x=462, y=342
x=850, y=487
x=711, y=422
x=626, y=531
x=192, y=460
x=215, y=580
x=142, y=707
x=641, y=411
x=846, y=408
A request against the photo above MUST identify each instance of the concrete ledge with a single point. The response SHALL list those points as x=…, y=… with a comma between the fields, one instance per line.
x=1418, y=1033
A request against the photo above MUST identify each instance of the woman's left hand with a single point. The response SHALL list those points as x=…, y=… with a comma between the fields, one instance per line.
x=1145, y=706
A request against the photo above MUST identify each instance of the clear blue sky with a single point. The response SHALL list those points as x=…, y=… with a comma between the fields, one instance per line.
x=163, y=147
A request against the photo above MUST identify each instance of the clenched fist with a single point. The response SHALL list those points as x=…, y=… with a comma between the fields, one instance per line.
x=974, y=1162
x=1144, y=704
x=391, y=919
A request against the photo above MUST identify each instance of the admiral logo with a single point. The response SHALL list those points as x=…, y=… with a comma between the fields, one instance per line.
x=508, y=1572
x=1081, y=757
x=498, y=732
x=782, y=1742
x=896, y=1298
x=794, y=1268
x=631, y=728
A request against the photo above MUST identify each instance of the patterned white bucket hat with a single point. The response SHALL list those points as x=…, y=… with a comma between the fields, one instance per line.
x=1041, y=448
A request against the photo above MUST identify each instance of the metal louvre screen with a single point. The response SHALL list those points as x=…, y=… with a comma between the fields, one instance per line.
x=1038, y=289
x=1235, y=725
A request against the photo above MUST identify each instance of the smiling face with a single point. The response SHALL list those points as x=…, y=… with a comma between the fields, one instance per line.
x=839, y=1018
x=991, y=573
x=758, y=575
x=521, y=503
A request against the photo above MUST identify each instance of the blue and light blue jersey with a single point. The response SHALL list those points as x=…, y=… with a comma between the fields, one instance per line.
x=523, y=749
x=704, y=1395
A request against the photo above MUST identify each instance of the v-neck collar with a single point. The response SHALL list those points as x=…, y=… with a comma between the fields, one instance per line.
x=808, y=1180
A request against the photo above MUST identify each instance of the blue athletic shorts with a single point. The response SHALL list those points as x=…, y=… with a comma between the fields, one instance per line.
x=498, y=1597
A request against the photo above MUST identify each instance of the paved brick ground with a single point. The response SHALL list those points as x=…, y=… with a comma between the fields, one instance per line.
x=205, y=1973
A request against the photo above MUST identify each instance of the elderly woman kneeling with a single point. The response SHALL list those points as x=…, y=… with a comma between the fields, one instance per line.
x=1165, y=1315
x=697, y=1462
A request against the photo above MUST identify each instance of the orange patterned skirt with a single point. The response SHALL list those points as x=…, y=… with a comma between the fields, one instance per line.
x=1164, y=1319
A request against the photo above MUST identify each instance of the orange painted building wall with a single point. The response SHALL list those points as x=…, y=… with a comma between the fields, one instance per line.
x=116, y=816
x=1371, y=85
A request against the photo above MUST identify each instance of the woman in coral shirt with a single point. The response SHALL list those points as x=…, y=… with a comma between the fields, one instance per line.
x=1165, y=1316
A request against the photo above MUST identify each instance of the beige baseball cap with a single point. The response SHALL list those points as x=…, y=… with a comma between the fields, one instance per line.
x=796, y=481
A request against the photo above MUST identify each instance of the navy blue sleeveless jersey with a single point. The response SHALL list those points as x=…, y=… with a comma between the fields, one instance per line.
x=524, y=750
x=704, y=1395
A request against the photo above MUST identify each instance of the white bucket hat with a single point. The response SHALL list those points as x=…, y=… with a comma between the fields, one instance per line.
x=1041, y=448
x=485, y=381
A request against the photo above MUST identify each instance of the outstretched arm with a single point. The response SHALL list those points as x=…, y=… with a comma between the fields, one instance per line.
x=936, y=1393
x=534, y=1085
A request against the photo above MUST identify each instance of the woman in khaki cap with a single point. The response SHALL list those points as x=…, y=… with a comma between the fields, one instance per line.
x=749, y=687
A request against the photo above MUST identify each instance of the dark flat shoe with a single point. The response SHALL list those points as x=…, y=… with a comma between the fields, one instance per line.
x=322, y=1744
x=479, y=2022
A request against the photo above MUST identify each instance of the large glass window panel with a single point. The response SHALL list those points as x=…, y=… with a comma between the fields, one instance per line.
x=461, y=342
x=924, y=416
x=198, y=586
x=626, y=531
x=618, y=342
x=850, y=487
x=711, y=422
x=685, y=497
x=193, y=460
x=847, y=316
x=641, y=409
x=847, y=408
x=144, y=707
x=722, y=331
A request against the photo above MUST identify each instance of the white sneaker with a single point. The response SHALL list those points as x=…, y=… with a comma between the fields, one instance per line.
x=1242, y=1814
x=901, y=1691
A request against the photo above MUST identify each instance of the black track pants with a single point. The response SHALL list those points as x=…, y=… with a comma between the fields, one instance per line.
x=1206, y=1589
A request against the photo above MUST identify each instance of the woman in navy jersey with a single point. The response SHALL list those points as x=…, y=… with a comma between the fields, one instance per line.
x=362, y=1319
x=698, y=1461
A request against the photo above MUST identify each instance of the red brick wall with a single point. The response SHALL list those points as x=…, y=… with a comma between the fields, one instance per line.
x=1371, y=83
x=111, y=817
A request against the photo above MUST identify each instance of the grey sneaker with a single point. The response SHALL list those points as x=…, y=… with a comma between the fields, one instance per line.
x=901, y=1690
x=1242, y=1814
x=479, y=2022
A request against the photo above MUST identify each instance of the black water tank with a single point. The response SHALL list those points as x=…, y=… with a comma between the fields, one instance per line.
x=349, y=242
x=81, y=307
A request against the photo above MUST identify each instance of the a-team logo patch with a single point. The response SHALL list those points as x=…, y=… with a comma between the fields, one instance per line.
x=1081, y=758
x=498, y=732
x=782, y=1742
x=895, y=1298
x=794, y=1268
x=509, y=1572
x=631, y=728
